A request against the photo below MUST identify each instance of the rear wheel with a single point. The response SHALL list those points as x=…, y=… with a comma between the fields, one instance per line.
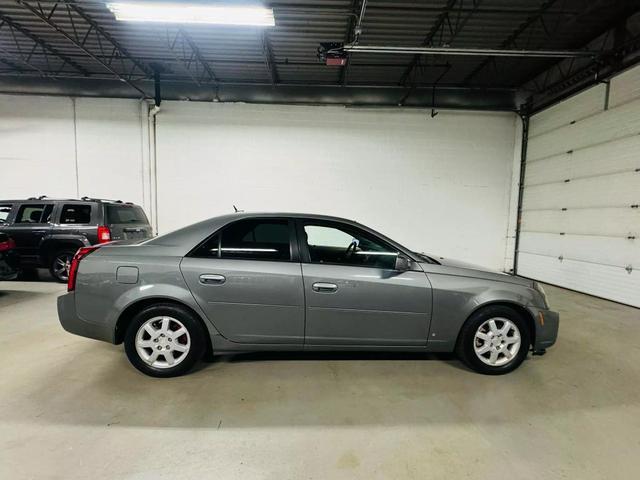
x=164, y=341
x=60, y=263
x=494, y=340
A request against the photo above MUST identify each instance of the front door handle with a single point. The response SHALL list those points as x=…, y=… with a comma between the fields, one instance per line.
x=323, y=287
x=212, y=279
x=39, y=232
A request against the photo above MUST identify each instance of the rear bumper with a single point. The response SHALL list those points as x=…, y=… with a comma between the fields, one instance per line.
x=547, y=323
x=72, y=323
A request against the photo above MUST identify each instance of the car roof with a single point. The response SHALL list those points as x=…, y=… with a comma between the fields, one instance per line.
x=313, y=216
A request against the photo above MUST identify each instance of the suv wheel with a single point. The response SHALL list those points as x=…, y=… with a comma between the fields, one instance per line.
x=164, y=341
x=60, y=263
x=494, y=340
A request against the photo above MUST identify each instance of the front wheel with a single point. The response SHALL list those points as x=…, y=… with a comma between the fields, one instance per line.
x=494, y=340
x=164, y=341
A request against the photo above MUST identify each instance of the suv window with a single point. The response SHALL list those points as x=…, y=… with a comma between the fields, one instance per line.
x=34, y=213
x=5, y=209
x=76, y=214
x=347, y=246
x=125, y=214
x=256, y=240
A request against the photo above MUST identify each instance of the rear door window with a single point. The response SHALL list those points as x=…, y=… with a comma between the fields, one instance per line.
x=77, y=214
x=257, y=240
x=5, y=210
x=35, y=213
x=125, y=214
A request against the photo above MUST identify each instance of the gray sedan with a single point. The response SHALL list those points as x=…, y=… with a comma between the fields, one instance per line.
x=248, y=282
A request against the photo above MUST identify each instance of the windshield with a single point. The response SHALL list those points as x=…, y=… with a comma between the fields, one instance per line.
x=125, y=214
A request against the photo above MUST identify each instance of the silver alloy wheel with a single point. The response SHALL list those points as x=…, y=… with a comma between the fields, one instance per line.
x=163, y=342
x=61, y=265
x=497, y=341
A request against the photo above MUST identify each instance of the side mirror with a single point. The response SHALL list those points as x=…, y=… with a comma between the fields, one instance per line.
x=402, y=263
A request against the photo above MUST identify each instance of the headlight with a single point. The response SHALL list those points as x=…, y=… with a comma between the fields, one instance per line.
x=542, y=293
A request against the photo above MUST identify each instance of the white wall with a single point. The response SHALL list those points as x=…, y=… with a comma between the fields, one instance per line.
x=37, y=147
x=64, y=147
x=438, y=184
x=442, y=185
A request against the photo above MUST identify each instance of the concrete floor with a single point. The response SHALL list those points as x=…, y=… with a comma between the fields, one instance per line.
x=74, y=408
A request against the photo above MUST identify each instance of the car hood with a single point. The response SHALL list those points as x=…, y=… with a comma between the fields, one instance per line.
x=465, y=269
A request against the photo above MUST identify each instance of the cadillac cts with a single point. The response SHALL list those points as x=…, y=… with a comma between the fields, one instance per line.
x=248, y=282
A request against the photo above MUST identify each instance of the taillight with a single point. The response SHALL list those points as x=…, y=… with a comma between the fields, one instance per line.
x=104, y=234
x=9, y=244
x=75, y=263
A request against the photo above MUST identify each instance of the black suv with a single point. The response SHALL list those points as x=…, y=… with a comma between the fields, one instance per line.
x=48, y=231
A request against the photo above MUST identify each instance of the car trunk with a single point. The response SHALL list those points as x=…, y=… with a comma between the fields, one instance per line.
x=127, y=222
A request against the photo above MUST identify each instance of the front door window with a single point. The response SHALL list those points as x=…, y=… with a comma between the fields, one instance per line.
x=347, y=246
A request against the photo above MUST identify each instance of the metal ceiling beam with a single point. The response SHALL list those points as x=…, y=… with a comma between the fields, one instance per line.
x=448, y=97
x=13, y=60
x=199, y=57
x=184, y=60
x=121, y=51
x=42, y=44
x=117, y=50
x=171, y=59
x=427, y=40
x=620, y=49
x=12, y=65
x=609, y=42
x=269, y=58
x=484, y=52
x=510, y=40
x=186, y=52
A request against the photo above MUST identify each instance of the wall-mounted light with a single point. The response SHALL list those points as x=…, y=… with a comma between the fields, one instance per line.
x=192, y=13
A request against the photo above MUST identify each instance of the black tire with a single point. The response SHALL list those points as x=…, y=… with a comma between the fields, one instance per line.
x=59, y=258
x=467, y=341
x=196, y=335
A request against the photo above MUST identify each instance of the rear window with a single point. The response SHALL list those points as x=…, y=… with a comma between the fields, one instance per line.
x=5, y=209
x=125, y=214
x=76, y=214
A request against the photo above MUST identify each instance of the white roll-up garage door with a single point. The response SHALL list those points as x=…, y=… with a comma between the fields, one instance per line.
x=580, y=217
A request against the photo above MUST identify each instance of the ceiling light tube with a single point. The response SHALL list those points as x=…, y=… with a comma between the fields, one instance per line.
x=192, y=13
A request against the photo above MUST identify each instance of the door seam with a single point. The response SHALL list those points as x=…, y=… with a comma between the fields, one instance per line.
x=304, y=301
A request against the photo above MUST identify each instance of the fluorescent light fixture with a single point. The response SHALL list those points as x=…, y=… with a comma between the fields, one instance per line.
x=192, y=13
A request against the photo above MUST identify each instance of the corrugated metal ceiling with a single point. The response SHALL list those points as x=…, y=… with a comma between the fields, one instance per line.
x=57, y=40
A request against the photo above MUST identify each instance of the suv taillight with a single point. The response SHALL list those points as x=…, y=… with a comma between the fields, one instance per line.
x=75, y=263
x=9, y=244
x=104, y=234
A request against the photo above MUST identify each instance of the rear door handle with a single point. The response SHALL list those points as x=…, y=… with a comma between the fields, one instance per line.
x=323, y=287
x=38, y=232
x=212, y=279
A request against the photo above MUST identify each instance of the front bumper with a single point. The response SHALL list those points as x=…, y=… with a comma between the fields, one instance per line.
x=72, y=323
x=546, y=323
